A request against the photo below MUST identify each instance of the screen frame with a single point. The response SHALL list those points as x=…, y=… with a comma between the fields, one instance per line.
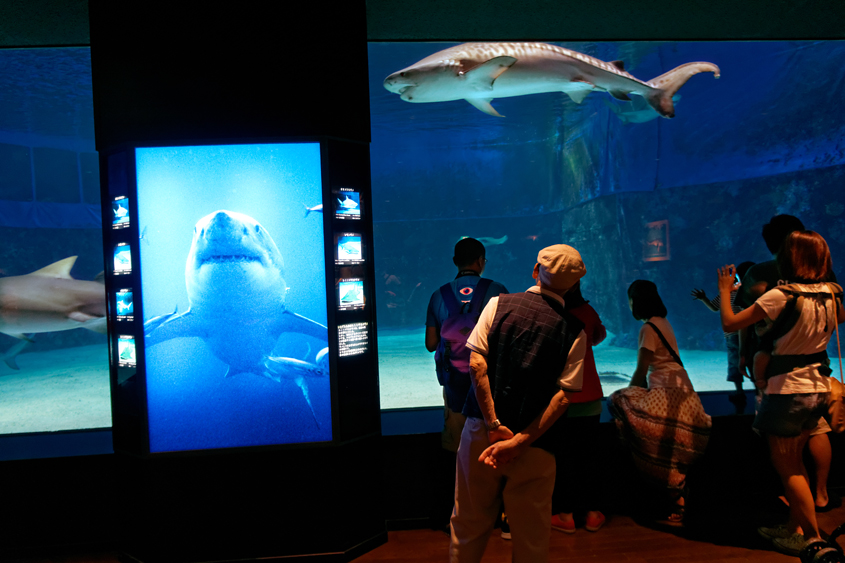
x=139, y=445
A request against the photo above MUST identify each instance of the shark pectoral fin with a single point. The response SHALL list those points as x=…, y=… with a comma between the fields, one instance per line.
x=165, y=327
x=60, y=269
x=484, y=75
x=484, y=105
x=619, y=95
x=577, y=96
x=81, y=317
x=291, y=322
x=100, y=278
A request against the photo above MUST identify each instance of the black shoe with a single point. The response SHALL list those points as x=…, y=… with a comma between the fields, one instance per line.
x=506, y=528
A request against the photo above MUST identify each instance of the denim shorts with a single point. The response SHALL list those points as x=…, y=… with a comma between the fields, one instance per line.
x=789, y=415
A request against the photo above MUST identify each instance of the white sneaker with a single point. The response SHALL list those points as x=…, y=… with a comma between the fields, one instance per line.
x=791, y=545
x=772, y=533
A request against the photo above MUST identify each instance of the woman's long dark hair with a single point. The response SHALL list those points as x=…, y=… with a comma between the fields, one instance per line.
x=645, y=301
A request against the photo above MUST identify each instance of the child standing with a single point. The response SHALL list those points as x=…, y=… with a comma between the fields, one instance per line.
x=731, y=338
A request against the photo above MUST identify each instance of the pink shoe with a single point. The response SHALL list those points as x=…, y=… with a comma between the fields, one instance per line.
x=594, y=523
x=561, y=526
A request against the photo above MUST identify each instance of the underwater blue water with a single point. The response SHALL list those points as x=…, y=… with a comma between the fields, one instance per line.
x=192, y=403
x=612, y=179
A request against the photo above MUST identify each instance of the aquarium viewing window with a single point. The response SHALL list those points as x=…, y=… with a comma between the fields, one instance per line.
x=609, y=176
x=55, y=382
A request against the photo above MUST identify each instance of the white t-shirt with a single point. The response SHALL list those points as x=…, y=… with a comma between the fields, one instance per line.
x=572, y=377
x=806, y=337
x=663, y=371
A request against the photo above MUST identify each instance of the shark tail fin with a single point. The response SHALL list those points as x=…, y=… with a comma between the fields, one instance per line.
x=667, y=84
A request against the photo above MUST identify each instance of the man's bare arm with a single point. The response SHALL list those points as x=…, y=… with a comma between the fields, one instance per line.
x=481, y=387
x=507, y=450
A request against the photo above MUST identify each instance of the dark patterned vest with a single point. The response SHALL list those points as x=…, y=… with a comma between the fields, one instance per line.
x=528, y=343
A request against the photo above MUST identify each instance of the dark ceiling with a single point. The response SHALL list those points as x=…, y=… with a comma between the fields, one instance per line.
x=65, y=22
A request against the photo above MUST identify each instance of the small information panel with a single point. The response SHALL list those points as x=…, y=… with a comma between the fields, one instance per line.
x=122, y=259
x=349, y=249
x=350, y=294
x=120, y=212
x=347, y=204
x=353, y=339
x=124, y=305
x=126, y=351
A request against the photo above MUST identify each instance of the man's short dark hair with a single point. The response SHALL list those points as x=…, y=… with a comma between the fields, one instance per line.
x=467, y=251
x=742, y=268
x=645, y=301
x=778, y=228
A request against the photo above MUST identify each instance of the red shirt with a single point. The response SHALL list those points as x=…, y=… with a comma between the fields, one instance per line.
x=596, y=333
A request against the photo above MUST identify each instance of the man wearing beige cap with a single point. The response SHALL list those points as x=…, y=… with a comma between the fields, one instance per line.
x=527, y=354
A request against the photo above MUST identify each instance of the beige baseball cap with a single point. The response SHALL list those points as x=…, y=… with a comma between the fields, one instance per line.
x=560, y=266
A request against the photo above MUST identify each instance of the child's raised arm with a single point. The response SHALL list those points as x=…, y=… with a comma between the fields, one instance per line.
x=733, y=322
x=701, y=296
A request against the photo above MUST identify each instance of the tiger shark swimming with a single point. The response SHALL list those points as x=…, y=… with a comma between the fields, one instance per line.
x=49, y=300
x=481, y=72
x=236, y=291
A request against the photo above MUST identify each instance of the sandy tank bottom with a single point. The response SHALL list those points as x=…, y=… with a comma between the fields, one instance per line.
x=65, y=389
x=407, y=378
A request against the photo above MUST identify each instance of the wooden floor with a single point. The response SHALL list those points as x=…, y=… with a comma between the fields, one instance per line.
x=621, y=539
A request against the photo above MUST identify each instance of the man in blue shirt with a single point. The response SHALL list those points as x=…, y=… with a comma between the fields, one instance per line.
x=470, y=259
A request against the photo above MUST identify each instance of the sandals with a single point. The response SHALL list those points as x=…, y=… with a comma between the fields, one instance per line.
x=676, y=509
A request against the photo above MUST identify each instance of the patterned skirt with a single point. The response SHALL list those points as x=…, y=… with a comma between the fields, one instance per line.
x=666, y=429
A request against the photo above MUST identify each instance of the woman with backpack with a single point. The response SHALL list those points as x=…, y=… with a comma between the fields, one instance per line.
x=659, y=414
x=795, y=385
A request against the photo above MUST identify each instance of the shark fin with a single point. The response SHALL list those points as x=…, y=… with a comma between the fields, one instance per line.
x=100, y=278
x=291, y=322
x=300, y=382
x=619, y=95
x=618, y=64
x=12, y=353
x=578, y=96
x=484, y=105
x=60, y=269
x=667, y=84
x=81, y=317
x=484, y=75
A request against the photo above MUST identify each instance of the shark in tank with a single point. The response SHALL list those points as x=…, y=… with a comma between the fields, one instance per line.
x=49, y=300
x=236, y=291
x=481, y=72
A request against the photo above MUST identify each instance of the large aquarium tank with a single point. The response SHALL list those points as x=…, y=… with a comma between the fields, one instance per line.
x=639, y=195
x=54, y=370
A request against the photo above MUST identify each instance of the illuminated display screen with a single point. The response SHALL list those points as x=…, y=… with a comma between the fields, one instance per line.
x=353, y=339
x=232, y=274
x=120, y=212
x=126, y=350
x=125, y=305
x=349, y=249
x=350, y=294
x=122, y=259
x=347, y=204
